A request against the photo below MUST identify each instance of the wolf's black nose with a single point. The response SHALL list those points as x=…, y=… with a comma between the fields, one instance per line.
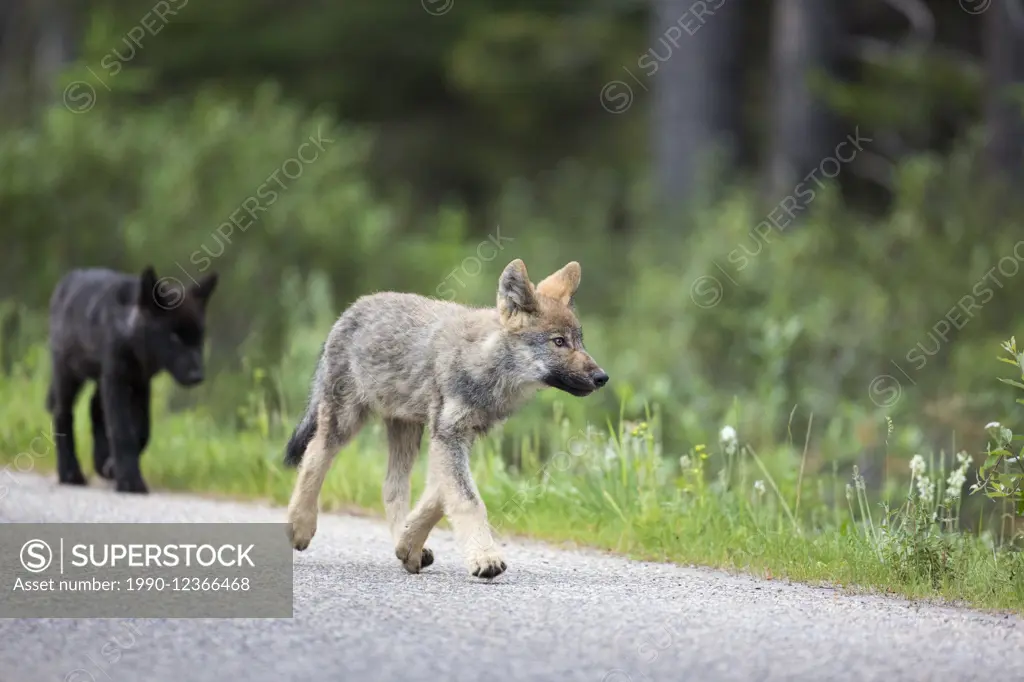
x=600, y=379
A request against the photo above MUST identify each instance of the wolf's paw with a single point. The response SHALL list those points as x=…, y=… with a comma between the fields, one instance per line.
x=486, y=565
x=106, y=469
x=412, y=562
x=301, y=530
x=132, y=484
x=71, y=478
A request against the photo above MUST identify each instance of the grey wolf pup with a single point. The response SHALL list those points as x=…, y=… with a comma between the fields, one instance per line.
x=119, y=330
x=416, y=361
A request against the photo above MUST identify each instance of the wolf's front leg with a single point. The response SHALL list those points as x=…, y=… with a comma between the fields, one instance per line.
x=60, y=401
x=449, y=455
x=116, y=398
x=69, y=472
x=102, y=462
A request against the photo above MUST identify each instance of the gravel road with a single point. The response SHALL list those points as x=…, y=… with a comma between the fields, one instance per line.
x=555, y=615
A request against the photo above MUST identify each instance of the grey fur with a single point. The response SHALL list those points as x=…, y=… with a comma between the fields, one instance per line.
x=419, y=361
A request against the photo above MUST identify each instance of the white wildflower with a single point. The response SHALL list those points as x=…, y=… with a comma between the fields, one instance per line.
x=727, y=437
x=917, y=466
x=849, y=492
x=759, y=487
x=1002, y=434
x=925, y=488
x=955, y=483
x=685, y=462
x=962, y=457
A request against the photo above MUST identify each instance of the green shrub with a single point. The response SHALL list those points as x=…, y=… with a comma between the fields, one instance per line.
x=1001, y=477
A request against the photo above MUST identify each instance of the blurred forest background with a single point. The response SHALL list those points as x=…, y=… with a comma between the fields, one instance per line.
x=779, y=206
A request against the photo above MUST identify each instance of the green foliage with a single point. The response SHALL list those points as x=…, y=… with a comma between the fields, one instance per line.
x=920, y=537
x=904, y=91
x=465, y=99
x=811, y=316
x=1001, y=477
x=210, y=184
x=478, y=93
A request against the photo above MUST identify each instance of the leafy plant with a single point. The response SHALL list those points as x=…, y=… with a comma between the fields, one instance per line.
x=920, y=537
x=1002, y=474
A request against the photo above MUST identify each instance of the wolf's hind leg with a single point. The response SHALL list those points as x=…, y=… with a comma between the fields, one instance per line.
x=404, y=440
x=421, y=520
x=336, y=425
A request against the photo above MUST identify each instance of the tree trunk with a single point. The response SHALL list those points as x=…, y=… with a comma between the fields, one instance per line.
x=695, y=75
x=1004, y=63
x=36, y=42
x=805, y=40
x=14, y=59
x=54, y=45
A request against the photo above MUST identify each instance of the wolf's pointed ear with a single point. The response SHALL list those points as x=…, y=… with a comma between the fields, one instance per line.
x=149, y=297
x=204, y=287
x=515, y=292
x=562, y=285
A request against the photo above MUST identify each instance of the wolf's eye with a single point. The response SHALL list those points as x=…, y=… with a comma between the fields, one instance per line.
x=559, y=341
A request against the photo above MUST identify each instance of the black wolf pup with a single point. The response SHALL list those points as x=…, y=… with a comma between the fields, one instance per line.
x=119, y=330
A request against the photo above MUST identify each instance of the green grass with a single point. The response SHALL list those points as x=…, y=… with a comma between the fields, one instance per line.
x=610, y=488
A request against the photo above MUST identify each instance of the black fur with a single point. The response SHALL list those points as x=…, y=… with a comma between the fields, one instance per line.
x=119, y=330
x=306, y=430
x=300, y=440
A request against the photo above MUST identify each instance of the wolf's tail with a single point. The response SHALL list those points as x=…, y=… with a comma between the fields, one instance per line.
x=306, y=430
x=301, y=437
